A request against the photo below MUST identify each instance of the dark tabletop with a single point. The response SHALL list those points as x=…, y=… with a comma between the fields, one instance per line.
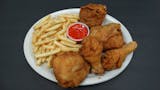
x=141, y=17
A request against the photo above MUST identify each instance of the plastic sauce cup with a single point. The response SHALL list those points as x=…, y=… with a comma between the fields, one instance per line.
x=77, y=31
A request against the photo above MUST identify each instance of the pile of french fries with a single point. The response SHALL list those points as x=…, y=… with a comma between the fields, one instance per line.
x=49, y=37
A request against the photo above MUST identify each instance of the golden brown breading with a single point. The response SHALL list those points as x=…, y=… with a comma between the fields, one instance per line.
x=92, y=14
x=103, y=33
x=114, y=58
x=110, y=35
x=70, y=69
x=91, y=51
x=114, y=42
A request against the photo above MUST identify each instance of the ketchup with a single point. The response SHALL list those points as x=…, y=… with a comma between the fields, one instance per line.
x=78, y=31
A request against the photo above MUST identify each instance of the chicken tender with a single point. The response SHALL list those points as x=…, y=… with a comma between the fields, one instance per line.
x=92, y=14
x=91, y=50
x=110, y=35
x=114, y=58
x=70, y=69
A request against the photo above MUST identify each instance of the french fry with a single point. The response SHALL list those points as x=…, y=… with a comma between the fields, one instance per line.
x=59, y=20
x=48, y=34
x=40, y=32
x=34, y=39
x=43, y=42
x=43, y=59
x=75, y=16
x=73, y=20
x=35, y=49
x=42, y=22
x=66, y=25
x=70, y=44
x=49, y=61
x=65, y=39
x=61, y=32
x=48, y=53
x=64, y=28
x=49, y=47
x=64, y=48
x=54, y=27
x=51, y=43
x=38, y=62
x=48, y=25
x=58, y=44
x=39, y=50
x=65, y=35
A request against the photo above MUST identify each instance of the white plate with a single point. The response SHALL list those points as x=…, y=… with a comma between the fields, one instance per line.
x=91, y=79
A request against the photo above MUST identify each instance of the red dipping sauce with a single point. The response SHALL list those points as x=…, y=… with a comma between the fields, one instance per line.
x=78, y=31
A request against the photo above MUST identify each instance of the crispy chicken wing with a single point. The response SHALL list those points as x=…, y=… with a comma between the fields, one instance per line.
x=70, y=69
x=91, y=51
x=92, y=14
x=110, y=35
x=114, y=58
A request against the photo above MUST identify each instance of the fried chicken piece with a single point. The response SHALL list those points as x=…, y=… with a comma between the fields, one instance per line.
x=114, y=42
x=70, y=69
x=92, y=14
x=114, y=58
x=103, y=33
x=91, y=50
x=110, y=35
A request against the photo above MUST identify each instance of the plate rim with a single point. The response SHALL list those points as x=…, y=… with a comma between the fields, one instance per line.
x=82, y=84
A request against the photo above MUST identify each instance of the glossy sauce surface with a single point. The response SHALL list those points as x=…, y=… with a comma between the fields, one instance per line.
x=78, y=31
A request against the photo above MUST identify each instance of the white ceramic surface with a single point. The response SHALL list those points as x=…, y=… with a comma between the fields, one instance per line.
x=47, y=73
